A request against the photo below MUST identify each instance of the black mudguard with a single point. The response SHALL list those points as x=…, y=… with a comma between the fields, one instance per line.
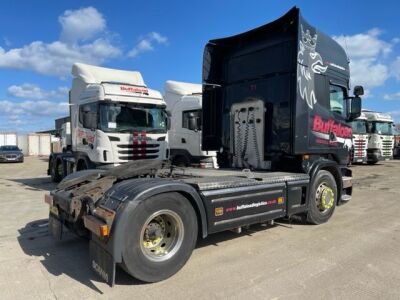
x=340, y=171
x=102, y=262
x=124, y=197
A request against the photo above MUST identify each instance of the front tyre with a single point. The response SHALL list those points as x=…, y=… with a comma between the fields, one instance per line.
x=57, y=170
x=160, y=236
x=323, y=198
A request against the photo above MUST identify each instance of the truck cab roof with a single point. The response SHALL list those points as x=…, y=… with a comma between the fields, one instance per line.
x=362, y=117
x=377, y=116
x=95, y=74
x=182, y=88
x=189, y=95
x=92, y=82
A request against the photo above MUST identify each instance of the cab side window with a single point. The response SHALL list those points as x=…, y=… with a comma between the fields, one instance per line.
x=88, y=115
x=337, y=95
x=191, y=119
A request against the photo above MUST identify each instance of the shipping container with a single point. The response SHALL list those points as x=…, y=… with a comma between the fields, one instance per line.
x=39, y=144
x=23, y=143
x=8, y=138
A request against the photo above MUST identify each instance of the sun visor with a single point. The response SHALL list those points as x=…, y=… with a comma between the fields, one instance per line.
x=182, y=88
x=94, y=74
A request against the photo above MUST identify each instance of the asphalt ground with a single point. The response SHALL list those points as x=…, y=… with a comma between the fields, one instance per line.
x=356, y=255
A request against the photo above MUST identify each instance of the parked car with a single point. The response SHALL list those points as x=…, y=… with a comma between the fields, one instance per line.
x=11, y=154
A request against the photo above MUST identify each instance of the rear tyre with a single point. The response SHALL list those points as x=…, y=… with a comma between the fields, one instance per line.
x=160, y=236
x=323, y=198
x=57, y=170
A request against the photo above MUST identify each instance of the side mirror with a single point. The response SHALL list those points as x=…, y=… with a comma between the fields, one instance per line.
x=354, y=108
x=192, y=123
x=358, y=90
x=168, y=119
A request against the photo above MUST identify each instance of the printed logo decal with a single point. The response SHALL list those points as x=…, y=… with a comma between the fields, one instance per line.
x=329, y=126
x=330, y=132
x=96, y=267
x=279, y=200
x=134, y=89
x=307, y=56
x=219, y=211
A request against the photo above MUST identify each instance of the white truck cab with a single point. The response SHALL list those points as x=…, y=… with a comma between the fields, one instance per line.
x=115, y=118
x=380, y=136
x=360, y=139
x=184, y=103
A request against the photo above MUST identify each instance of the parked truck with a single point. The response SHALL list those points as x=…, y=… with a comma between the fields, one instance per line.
x=115, y=118
x=360, y=139
x=267, y=97
x=380, y=136
x=184, y=103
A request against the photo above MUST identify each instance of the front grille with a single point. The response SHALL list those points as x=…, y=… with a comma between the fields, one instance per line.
x=138, y=151
x=360, y=148
x=387, y=147
x=11, y=156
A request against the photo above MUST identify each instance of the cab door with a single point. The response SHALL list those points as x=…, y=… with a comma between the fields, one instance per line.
x=87, y=125
x=191, y=131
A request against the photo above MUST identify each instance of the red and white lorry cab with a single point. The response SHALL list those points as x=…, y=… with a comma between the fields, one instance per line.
x=360, y=139
x=380, y=136
x=275, y=107
x=115, y=118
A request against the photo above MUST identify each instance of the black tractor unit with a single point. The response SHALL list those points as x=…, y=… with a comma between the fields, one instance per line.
x=275, y=107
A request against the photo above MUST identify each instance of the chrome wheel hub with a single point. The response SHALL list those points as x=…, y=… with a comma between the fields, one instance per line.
x=161, y=235
x=325, y=197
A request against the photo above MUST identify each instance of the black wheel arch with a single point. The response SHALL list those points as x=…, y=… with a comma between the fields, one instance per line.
x=333, y=168
x=136, y=192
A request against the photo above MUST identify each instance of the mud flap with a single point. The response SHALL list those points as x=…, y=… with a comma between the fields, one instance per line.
x=102, y=263
x=55, y=227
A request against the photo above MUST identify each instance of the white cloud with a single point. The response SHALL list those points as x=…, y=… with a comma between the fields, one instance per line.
x=147, y=43
x=32, y=91
x=56, y=58
x=396, y=40
x=32, y=108
x=83, y=38
x=395, y=115
x=394, y=96
x=366, y=52
x=81, y=24
x=158, y=37
x=396, y=68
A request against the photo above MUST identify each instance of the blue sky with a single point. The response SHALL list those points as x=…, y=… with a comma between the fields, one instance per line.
x=39, y=40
